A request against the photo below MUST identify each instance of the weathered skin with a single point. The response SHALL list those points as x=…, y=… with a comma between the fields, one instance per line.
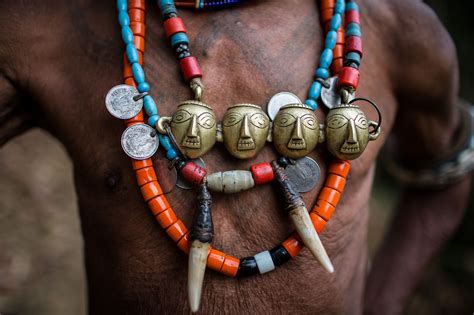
x=59, y=58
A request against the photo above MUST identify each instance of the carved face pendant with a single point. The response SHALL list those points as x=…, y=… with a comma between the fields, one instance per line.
x=194, y=128
x=295, y=131
x=245, y=130
x=347, y=131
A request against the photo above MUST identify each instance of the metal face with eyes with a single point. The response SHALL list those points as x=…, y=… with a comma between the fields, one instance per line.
x=194, y=127
x=347, y=131
x=245, y=130
x=296, y=131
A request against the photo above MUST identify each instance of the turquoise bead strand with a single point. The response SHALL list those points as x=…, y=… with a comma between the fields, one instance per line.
x=131, y=52
x=322, y=72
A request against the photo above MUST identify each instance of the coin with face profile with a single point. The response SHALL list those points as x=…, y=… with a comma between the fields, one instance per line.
x=140, y=141
x=120, y=103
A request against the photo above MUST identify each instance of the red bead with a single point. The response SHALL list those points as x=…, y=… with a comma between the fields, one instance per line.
x=190, y=68
x=349, y=77
x=262, y=173
x=352, y=16
x=354, y=44
x=193, y=173
x=174, y=25
x=337, y=64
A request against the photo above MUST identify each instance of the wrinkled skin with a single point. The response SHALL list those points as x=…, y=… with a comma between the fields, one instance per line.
x=59, y=58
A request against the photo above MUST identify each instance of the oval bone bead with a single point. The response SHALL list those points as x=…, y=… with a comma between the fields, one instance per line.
x=230, y=182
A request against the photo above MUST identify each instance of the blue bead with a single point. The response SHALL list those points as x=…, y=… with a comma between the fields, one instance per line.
x=167, y=7
x=127, y=35
x=132, y=53
x=353, y=32
x=163, y=3
x=171, y=154
x=331, y=39
x=326, y=58
x=152, y=120
x=165, y=142
x=138, y=73
x=143, y=87
x=352, y=25
x=124, y=19
x=122, y=5
x=179, y=38
x=353, y=57
x=314, y=90
x=339, y=7
x=352, y=6
x=150, y=105
x=322, y=73
x=311, y=103
x=335, y=22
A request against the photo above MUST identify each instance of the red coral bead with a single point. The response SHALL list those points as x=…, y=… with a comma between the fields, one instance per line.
x=349, y=77
x=190, y=68
x=262, y=173
x=352, y=16
x=174, y=25
x=354, y=44
x=193, y=173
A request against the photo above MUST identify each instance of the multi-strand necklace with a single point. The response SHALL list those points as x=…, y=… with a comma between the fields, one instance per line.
x=290, y=124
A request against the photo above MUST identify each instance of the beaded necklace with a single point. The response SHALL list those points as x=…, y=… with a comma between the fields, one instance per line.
x=341, y=53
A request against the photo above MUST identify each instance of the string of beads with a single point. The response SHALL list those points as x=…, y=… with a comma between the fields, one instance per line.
x=132, y=15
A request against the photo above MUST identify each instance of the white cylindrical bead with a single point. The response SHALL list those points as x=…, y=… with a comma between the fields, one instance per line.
x=264, y=262
x=230, y=182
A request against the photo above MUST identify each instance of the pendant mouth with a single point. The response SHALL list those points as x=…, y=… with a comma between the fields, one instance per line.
x=297, y=144
x=245, y=144
x=192, y=142
x=350, y=148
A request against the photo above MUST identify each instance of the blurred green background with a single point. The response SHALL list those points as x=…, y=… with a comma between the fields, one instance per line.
x=41, y=263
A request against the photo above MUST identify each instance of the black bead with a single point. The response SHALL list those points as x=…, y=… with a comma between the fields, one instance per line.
x=283, y=161
x=247, y=267
x=178, y=163
x=279, y=255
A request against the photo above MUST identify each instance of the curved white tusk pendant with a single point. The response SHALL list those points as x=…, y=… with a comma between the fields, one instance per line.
x=309, y=236
x=196, y=269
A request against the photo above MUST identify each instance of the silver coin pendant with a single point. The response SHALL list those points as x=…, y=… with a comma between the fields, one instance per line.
x=304, y=174
x=278, y=101
x=120, y=103
x=140, y=141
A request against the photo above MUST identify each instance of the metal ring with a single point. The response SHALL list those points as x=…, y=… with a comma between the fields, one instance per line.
x=374, y=105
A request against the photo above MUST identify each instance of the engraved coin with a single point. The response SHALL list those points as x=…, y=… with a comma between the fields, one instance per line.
x=119, y=102
x=330, y=95
x=140, y=141
x=304, y=174
x=181, y=182
x=279, y=100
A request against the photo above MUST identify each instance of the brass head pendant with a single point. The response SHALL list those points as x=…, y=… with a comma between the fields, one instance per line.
x=245, y=129
x=193, y=126
x=347, y=131
x=296, y=131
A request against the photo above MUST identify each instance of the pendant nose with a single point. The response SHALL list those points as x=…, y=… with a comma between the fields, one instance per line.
x=297, y=130
x=245, y=129
x=193, y=127
x=352, y=136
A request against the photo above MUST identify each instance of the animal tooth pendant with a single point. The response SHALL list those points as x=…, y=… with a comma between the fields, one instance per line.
x=201, y=236
x=295, y=206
